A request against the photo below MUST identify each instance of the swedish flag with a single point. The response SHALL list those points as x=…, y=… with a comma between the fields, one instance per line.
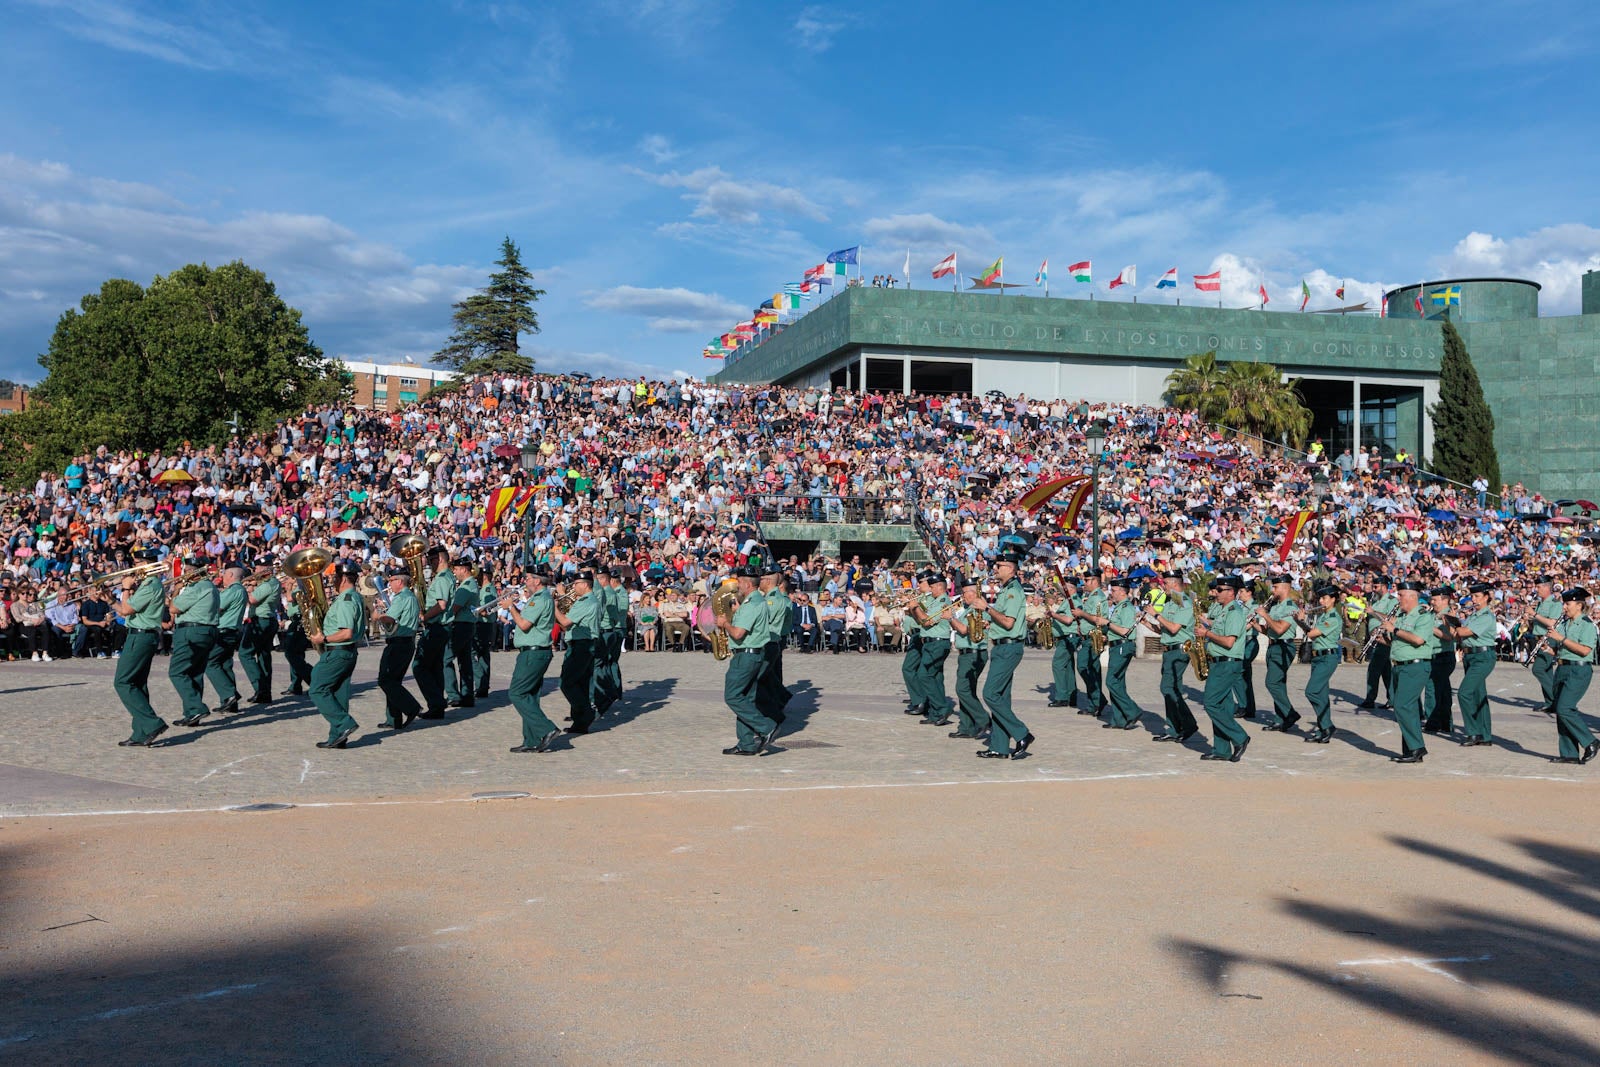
x=1446, y=297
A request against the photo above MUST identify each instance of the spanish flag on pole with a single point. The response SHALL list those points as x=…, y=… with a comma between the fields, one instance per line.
x=1291, y=530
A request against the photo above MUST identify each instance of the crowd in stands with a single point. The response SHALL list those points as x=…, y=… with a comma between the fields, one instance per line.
x=670, y=480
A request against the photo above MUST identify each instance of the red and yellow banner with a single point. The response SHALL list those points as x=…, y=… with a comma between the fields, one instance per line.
x=1291, y=530
x=1040, y=495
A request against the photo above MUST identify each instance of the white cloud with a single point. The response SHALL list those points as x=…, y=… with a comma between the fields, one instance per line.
x=599, y=364
x=816, y=27
x=1556, y=257
x=658, y=148
x=720, y=198
x=670, y=310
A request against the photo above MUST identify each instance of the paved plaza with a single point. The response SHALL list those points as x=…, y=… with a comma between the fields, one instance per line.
x=871, y=893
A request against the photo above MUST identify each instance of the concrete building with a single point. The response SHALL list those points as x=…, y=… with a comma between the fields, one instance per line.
x=387, y=386
x=1368, y=379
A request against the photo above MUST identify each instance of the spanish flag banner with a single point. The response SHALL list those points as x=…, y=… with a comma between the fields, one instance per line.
x=1291, y=530
x=494, y=508
x=1080, y=494
x=1040, y=495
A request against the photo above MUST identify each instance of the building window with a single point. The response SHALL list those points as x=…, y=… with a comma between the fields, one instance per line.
x=1378, y=424
x=407, y=398
x=383, y=379
x=408, y=382
x=380, y=395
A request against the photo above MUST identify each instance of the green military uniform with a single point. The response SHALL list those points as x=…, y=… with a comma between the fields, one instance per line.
x=1324, y=661
x=138, y=650
x=1096, y=604
x=1477, y=660
x=1124, y=713
x=1228, y=739
x=296, y=644
x=1572, y=676
x=1064, y=657
x=1379, y=662
x=433, y=646
x=1251, y=645
x=255, y=643
x=194, y=632
x=535, y=648
x=1544, y=664
x=460, y=683
x=746, y=663
x=910, y=662
x=330, y=678
x=1280, y=655
x=483, y=635
x=935, y=651
x=1004, y=726
x=607, y=674
x=971, y=659
x=1439, y=697
x=577, y=666
x=772, y=695
x=400, y=706
x=1179, y=610
x=232, y=603
x=1409, y=671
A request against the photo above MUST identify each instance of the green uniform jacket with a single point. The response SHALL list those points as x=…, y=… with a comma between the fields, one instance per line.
x=231, y=605
x=1178, y=610
x=264, y=601
x=751, y=616
x=1420, y=622
x=1011, y=602
x=406, y=613
x=1228, y=621
x=1583, y=632
x=1331, y=623
x=541, y=612
x=346, y=610
x=196, y=603
x=146, y=602
x=441, y=590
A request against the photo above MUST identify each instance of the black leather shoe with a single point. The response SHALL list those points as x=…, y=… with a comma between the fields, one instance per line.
x=577, y=729
x=1432, y=729
x=546, y=741
x=431, y=713
x=1238, y=750
x=736, y=751
x=336, y=742
x=958, y=733
x=1566, y=759
x=1109, y=726
x=1589, y=753
x=916, y=709
x=1087, y=711
x=1414, y=757
x=1187, y=734
x=1367, y=705
x=1273, y=727
x=1294, y=717
x=1165, y=737
x=1212, y=756
x=1022, y=746
x=143, y=742
x=194, y=720
x=765, y=745
x=258, y=698
x=229, y=707
x=945, y=721
x=989, y=753
x=522, y=748
x=1318, y=737
x=1060, y=704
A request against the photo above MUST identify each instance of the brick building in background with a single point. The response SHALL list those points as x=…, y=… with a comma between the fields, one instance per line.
x=387, y=386
x=13, y=397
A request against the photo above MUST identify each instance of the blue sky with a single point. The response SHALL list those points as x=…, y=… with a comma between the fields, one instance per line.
x=667, y=164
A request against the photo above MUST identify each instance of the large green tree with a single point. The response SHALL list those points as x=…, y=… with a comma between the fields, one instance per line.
x=151, y=367
x=1463, y=425
x=1251, y=397
x=489, y=322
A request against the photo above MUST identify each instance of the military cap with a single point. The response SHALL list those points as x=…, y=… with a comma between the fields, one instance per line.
x=1071, y=579
x=1544, y=579
x=1326, y=590
x=1231, y=581
x=148, y=555
x=970, y=583
x=1411, y=584
x=1010, y=555
x=748, y=572
x=1446, y=591
x=936, y=577
x=773, y=570
x=397, y=572
x=1122, y=583
x=347, y=569
x=438, y=550
x=1280, y=579
x=1577, y=592
x=461, y=561
x=1481, y=587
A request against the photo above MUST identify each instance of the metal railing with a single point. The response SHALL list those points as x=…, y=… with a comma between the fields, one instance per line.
x=831, y=509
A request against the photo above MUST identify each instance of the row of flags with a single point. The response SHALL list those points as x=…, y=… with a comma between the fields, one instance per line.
x=769, y=315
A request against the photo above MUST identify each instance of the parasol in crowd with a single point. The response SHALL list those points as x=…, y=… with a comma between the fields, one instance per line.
x=175, y=476
x=350, y=534
x=1442, y=515
x=487, y=542
x=507, y=451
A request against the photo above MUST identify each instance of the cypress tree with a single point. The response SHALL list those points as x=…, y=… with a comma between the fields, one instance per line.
x=1463, y=425
x=488, y=322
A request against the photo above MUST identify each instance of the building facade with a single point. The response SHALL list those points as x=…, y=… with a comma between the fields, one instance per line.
x=388, y=386
x=1368, y=379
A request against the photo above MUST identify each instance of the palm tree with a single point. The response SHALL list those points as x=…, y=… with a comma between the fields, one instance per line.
x=1194, y=384
x=1254, y=398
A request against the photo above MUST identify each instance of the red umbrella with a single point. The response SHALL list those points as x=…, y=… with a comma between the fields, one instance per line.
x=507, y=451
x=1561, y=520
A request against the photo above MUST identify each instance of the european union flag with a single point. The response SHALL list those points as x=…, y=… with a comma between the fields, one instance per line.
x=844, y=255
x=1446, y=297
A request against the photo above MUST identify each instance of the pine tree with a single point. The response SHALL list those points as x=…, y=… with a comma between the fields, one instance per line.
x=489, y=321
x=1463, y=425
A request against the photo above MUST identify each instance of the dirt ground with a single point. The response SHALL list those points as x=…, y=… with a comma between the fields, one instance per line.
x=1195, y=919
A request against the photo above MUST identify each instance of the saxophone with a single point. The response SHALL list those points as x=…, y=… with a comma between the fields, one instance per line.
x=1199, y=658
x=977, y=624
x=1044, y=634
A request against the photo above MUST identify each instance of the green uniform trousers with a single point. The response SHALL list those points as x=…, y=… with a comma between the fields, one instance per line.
x=1180, y=720
x=1122, y=710
x=607, y=674
x=1004, y=726
x=1544, y=669
x=527, y=678
x=1063, y=670
x=1440, y=700
x=399, y=704
x=330, y=688
x=295, y=646
x=911, y=669
x=1223, y=685
x=133, y=681
x=1323, y=664
x=1246, y=695
x=1280, y=654
x=972, y=719
x=577, y=678
x=1572, y=681
x=1406, y=683
x=482, y=649
x=772, y=696
x=1379, y=669
x=739, y=687
x=1478, y=664
x=460, y=687
x=186, y=667
x=428, y=667
x=219, y=665
x=1089, y=671
x=255, y=655
x=930, y=679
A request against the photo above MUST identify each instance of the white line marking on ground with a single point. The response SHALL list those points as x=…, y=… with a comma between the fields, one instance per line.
x=305, y=769
x=1431, y=966
x=135, y=1009
x=225, y=766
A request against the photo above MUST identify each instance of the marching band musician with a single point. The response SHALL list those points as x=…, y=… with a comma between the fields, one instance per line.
x=1545, y=615
x=260, y=630
x=460, y=683
x=911, y=661
x=485, y=626
x=1324, y=632
x=772, y=694
x=971, y=658
x=1440, y=702
x=580, y=625
x=343, y=627
x=232, y=602
x=935, y=627
x=1223, y=629
x=616, y=635
x=1123, y=621
x=535, y=644
x=1090, y=611
x=295, y=647
x=399, y=650
x=1412, y=626
x=1008, y=627
x=1175, y=625
x=1379, y=662
x=600, y=691
x=1277, y=624
x=194, y=632
x=1574, y=640
x=1064, y=657
x=434, y=645
x=747, y=639
x=140, y=604
x=1246, y=699
x=1476, y=634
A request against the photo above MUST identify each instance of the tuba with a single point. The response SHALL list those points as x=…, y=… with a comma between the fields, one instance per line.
x=413, y=550
x=1199, y=658
x=723, y=601
x=306, y=567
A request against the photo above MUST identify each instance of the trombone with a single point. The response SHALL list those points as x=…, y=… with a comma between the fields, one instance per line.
x=140, y=571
